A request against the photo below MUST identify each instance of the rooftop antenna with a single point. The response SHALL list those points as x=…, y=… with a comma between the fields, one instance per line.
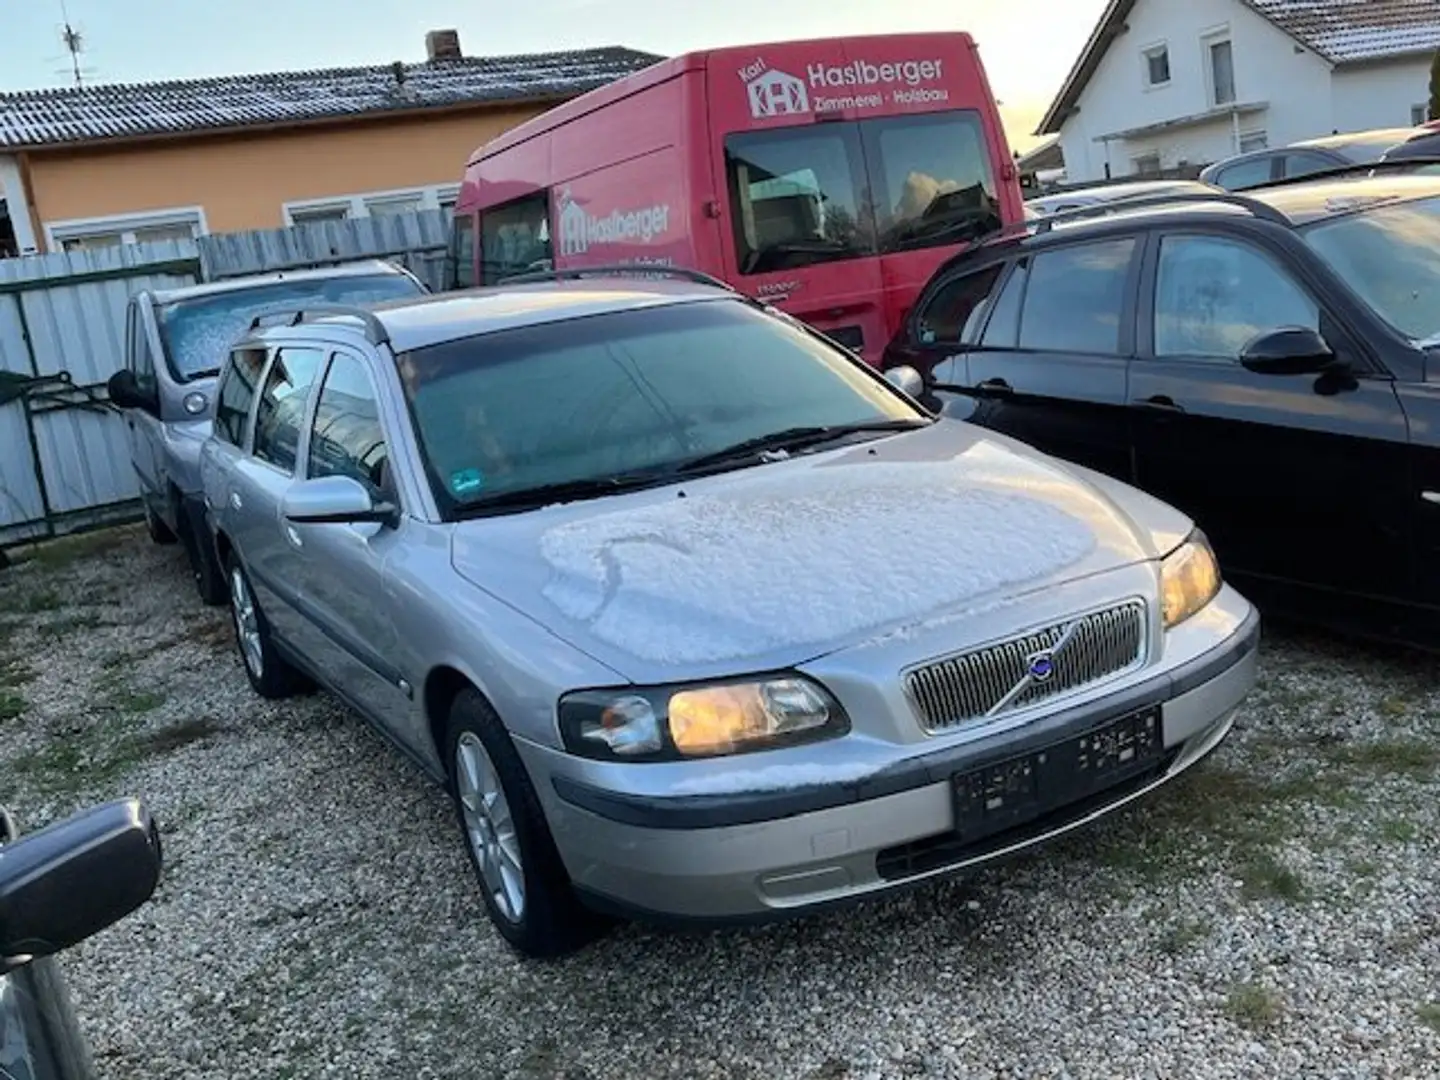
x=74, y=41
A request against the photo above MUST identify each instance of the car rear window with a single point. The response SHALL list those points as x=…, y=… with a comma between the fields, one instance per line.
x=197, y=333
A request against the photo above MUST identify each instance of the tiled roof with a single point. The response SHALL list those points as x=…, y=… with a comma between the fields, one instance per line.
x=1346, y=31
x=97, y=113
x=1341, y=31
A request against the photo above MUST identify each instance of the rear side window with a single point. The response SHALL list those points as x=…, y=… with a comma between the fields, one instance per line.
x=1076, y=298
x=956, y=311
x=1246, y=174
x=348, y=438
x=237, y=394
x=281, y=412
x=1003, y=329
x=1303, y=163
x=515, y=239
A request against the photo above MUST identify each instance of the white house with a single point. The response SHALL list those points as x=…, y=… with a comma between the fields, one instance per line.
x=1168, y=83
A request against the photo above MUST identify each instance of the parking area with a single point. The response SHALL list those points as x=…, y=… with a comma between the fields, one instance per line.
x=1273, y=914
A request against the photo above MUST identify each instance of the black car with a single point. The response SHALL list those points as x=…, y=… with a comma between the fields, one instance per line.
x=58, y=886
x=1269, y=363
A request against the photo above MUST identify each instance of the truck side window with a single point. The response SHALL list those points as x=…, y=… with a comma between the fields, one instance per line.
x=462, y=252
x=515, y=238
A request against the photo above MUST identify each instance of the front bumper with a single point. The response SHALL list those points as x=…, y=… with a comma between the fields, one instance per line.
x=760, y=855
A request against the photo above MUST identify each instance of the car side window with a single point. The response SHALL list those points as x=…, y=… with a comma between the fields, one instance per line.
x=1076, y=298
x=957, y=309
x=1212, y=295
x=1246, y=173
x=237, y=394
x=1003, y=329
x=281, y=413
x=140, y=359
x=1302, y=163
x=347, y=438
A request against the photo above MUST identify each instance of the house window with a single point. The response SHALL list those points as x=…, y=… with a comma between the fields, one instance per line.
x=1253, y=140
x=1222, y=71
x=1419, y=114
x=92, y=234
x=1157, y=65
x=1146, y=164
x=371, y=204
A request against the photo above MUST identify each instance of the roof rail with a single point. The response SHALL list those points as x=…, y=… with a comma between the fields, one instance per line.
x=616, y=270
x=375, y=330
x=1260, y=209
x=1364, y=167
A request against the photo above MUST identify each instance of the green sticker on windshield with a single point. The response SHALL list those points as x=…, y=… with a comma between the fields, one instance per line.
x=467, y=481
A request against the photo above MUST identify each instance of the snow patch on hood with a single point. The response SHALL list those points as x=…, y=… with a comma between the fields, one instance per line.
x=801, y=558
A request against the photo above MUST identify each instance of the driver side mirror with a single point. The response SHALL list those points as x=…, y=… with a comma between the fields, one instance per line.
x=907, y=380
x=335, y=500
x=1294, y=350
x=60, y=885
x=126, y=393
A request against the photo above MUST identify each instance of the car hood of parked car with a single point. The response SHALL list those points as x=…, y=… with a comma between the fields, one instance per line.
x=771, y=565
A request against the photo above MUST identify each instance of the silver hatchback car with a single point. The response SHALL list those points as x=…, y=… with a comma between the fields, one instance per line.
x=696, y=615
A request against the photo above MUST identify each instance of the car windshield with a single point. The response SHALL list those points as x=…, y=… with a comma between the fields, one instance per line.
x=197, y=333
x=1390, y=255
x=842, y=190
x=637, y=392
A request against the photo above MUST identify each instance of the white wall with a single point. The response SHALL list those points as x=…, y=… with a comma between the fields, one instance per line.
x=1268, y=67
x=1380, y=95
x=13, y=191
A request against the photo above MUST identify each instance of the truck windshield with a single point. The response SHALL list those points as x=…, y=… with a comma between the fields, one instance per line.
x=822, y=192
x=197, y=333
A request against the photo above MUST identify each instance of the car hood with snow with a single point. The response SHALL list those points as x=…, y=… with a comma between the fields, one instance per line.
x=772, y=565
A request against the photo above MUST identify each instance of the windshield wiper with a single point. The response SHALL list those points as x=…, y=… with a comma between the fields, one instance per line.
x=565, y=491
x=796, y=438
x=971, y=225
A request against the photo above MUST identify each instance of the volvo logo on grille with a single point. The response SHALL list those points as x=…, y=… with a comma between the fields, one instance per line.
x=1040, y=665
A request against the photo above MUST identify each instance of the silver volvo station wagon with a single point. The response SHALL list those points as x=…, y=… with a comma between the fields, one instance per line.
x=695, y=615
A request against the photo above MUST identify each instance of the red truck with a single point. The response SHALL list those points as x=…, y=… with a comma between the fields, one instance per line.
x=827, y=177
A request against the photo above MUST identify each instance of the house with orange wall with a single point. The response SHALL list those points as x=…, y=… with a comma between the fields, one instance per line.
x=90, y=166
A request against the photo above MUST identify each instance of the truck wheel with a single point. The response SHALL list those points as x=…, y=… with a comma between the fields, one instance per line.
x=523, y=882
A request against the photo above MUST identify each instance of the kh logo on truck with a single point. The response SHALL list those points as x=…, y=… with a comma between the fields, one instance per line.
x=581, y=230
x=776, y=93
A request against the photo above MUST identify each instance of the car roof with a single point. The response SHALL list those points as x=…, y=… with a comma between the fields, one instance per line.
x=363, y=267
x=1307, y=201
x=432, y=319
x=1351, y=138
x=1106, y=192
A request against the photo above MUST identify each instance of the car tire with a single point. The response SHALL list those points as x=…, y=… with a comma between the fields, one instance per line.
x=211, y=582
x=270, y=674
x=159, y=532
x=502, y=825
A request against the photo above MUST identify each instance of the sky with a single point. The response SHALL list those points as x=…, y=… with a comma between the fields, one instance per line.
x=145, y=40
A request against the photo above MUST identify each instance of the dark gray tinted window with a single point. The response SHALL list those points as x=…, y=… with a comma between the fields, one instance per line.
x=1246, y=173
x=237, y=394
x=1076, y=298
x=1304, y=163
x=956, y=307
x=462, y=251
x=1003, y=329
x=348, y=438
x=281, y=412
x=515, y=239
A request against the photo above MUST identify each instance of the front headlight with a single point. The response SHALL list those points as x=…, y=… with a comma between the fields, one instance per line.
x=678, y=722
x=1189, y=579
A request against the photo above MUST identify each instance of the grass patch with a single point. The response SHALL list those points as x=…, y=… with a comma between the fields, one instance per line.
x=69, y=624
x=38, y=602
x=1253, y=1006
x=132, y=702
x=1429, y=1015
x=12, y=706
x=76, y=764
x=69, y=549
x=1398, y=832
x=1181, y=936
x=1410, y=757
x=1263, y=876
x=175, y=736
x=15, y=675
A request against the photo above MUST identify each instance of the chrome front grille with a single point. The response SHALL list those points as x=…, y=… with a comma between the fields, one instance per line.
x=1013, y=674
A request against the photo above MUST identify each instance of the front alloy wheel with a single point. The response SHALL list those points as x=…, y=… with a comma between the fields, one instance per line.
x=490, y=827
x=247, y=624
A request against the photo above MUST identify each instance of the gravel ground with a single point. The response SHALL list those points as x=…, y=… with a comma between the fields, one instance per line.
x=1273, y=915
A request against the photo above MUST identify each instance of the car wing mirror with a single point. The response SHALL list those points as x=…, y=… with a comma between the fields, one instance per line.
x=1291, y=350
x=335, y=500
x=72, y=879
x=907, y=380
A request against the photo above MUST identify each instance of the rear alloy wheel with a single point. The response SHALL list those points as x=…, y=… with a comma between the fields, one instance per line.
x=523, y=881
x=270, y=675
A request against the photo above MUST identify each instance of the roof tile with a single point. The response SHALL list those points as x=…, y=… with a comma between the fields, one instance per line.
x=1347, y=31
x=97, y=113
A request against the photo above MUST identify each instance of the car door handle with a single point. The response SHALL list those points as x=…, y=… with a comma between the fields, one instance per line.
x=998, y=387
x=236, y=502
x=1159, y=403
x=294, y=537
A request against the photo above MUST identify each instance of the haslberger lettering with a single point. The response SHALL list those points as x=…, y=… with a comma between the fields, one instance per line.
x=579, y=229
x=864, y=73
